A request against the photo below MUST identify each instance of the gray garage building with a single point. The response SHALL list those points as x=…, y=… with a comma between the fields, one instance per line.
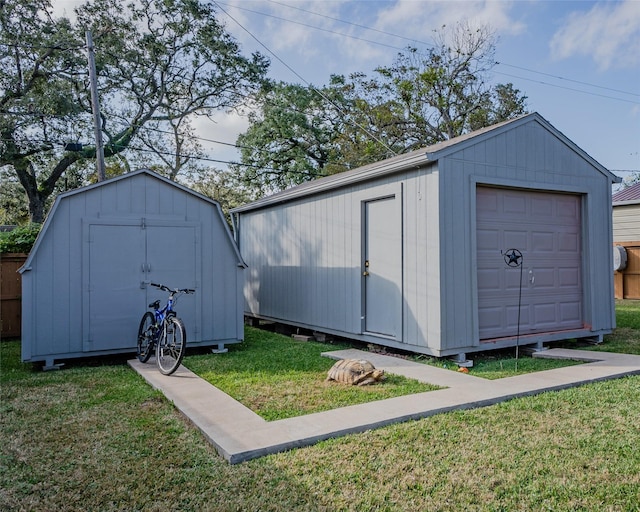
x=85, y=284
x=411, y=252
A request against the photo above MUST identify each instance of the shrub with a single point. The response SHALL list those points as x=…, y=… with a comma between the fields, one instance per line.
x=21, y=239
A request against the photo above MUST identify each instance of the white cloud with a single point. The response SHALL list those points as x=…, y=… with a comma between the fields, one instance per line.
x=224, y=128
x=417, y=19
x=609, y=32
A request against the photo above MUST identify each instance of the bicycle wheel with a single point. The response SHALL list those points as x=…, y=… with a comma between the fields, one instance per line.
x=145, y=337
x=171, y=346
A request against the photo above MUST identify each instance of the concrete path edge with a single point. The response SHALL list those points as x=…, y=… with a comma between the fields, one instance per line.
x=239, y=434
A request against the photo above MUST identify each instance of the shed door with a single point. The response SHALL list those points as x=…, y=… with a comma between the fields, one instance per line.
x=545, y=228
x=382, y=268
x=172, y=260
x=122, y=260
x=115, y=298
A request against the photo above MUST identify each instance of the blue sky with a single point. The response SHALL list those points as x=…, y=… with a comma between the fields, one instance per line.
x=578, y=62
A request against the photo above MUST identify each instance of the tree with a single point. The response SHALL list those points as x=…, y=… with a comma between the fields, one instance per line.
x=159, y=64
x=421, y=99
x=223, y=187
x=289, y=138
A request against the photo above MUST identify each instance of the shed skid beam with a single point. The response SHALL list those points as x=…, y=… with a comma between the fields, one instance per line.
x=461, y=360
x=220, y=350
x=595, y=340
x=49, y=365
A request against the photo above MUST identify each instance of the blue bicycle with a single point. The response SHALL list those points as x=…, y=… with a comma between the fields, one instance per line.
x=163, y=331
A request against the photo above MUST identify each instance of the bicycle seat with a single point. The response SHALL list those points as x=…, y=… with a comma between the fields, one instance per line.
x=155, y=305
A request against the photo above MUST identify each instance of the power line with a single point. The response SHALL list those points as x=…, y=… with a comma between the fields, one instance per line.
x=568, y=88
x=586, y=84
x=568, y=79
x=310, y=26
x=269, y=170
x=364, y=129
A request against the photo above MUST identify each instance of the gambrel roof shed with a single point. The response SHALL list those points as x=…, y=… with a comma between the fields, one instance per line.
x=86, y=280
x=410, y=252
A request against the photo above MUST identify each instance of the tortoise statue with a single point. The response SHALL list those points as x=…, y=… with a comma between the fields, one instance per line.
x=355, y=371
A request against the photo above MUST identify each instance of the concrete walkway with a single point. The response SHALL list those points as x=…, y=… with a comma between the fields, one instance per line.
x=239, y=434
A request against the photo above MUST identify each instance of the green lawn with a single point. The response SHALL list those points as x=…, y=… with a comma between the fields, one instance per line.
x=95, y=436
x=279, y=377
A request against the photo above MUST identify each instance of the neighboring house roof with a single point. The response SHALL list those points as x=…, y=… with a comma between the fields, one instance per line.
x=416, y=158
x=126, y=176
x=628, y=195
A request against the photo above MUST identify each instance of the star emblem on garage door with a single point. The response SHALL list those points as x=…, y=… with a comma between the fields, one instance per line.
x=513, y=258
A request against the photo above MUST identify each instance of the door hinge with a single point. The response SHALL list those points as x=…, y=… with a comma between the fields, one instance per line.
x=143, y=225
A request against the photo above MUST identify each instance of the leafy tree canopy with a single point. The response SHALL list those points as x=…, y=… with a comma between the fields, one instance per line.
x=160, y=63
x=298, y=133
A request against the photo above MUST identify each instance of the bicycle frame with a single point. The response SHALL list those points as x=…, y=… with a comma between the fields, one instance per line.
x=165, y=312
x=163, y=332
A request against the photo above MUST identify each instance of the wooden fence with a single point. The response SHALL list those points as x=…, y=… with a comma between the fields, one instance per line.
x=10, y=295
x=627, y=281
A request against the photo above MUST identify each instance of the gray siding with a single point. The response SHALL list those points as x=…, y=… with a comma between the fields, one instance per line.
x=57, y=297
x=304, y=246
x=525, y=157
x=305, y=258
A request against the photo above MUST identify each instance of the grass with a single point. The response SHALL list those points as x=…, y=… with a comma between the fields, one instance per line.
x=278, y=377
x=96, y=437
x=628, y=313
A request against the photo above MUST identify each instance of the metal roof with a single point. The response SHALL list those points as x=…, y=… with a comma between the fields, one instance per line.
x=414, y=159
x=628, y=195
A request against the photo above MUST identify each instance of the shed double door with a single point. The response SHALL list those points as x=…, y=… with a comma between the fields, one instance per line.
x=546, y=228
x=122, y=260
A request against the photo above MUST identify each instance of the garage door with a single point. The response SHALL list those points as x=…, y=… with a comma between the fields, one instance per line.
x=545, y=228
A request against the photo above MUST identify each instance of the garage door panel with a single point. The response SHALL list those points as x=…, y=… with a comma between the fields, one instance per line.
x=543, y=241
x=568, y=277
x=488, y=239
x=545, y=227
x=567, y=209
x=493, y=317
x=489, y=279
x=570, y=312
x=545, y=314
x=545, y=278
x=569, y=242
x=514, y=204
x=514, y=238
x=512, y=316
x=542, y=207
x=512, y=279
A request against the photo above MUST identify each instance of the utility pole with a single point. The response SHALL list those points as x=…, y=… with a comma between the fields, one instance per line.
x=95, y=107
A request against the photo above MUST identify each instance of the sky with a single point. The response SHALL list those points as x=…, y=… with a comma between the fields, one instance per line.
x=578, y=62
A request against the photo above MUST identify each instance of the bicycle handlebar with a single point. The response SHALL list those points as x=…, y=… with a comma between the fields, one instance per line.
x=167, y=289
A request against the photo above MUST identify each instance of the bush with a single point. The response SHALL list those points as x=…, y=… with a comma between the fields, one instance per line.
x=21, y=239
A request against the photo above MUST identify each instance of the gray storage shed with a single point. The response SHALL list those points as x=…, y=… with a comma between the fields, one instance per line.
x=410, y=252
x=85, y=284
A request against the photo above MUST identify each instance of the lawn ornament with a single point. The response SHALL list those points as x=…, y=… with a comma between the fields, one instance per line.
x=357, y=372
